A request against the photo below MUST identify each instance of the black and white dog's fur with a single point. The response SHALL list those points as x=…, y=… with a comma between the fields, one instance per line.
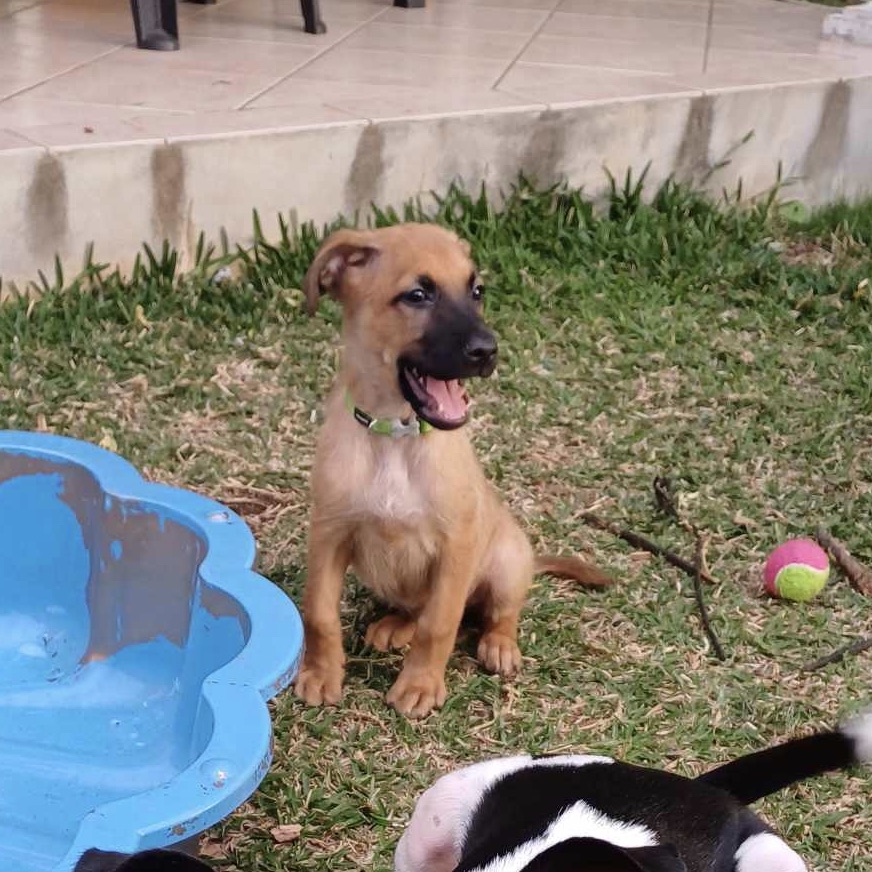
x=145, y=861
x=594, y=814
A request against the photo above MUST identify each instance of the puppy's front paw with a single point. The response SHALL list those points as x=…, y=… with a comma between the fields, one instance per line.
x=499, y=653
x=391, y=633
x=319, y=684
x=417, y=692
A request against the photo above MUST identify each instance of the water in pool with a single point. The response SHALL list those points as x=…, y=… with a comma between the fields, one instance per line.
x=104, y=646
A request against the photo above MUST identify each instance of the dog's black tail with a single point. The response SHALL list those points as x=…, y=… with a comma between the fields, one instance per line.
x=757, y=775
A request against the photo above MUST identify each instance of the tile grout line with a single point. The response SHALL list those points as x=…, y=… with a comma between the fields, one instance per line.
x=125, y=107
x=57, y=75
x=245, y=103
x=23, y=9
x=351, y=115
x=634, y=71
x=28, y=141
x=526, y=45
x=709, y=25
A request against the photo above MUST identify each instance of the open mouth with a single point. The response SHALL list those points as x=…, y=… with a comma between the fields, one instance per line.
x=442, y=403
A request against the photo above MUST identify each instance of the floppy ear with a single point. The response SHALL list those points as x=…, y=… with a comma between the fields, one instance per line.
x=595, y=855
x=144, y=861
x=341, y=250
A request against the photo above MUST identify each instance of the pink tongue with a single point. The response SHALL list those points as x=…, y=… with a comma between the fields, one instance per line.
x=448, y=398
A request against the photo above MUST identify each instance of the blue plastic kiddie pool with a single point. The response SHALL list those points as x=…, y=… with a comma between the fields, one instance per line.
x=137, y=652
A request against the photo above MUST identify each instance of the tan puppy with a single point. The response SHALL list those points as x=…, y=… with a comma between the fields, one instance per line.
x=398, y=494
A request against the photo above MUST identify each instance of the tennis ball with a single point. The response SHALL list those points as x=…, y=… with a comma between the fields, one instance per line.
x=797, y=570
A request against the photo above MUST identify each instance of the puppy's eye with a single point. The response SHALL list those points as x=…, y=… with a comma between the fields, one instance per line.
x=477, y=293
x=416, y=297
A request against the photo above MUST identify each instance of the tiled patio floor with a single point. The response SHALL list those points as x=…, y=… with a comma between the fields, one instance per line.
x=70, y=75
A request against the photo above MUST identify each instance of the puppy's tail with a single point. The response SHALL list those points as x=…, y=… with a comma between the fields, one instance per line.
x=573, y=568
x=757, y=775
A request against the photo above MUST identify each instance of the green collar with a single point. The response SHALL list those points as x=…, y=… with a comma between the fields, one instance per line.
x=393, y=427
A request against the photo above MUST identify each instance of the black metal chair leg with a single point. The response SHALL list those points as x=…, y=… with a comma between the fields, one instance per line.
x=156, y=24
x=410, y=4
x=312, y=16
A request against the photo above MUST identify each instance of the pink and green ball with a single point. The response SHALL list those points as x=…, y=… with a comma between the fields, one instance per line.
x=797, y=570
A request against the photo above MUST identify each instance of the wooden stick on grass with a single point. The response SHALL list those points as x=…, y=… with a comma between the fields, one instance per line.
x=666, y=502
x=854, y=647
x=859, y=575
x=700, y=601
x=638, y=541
x=861, y=578
x=695, y=570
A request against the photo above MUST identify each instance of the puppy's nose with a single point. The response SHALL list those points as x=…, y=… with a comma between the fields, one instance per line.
x=481, y=348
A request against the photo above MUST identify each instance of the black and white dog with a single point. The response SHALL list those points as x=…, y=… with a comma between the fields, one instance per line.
x=145, y=861
x=578, y=813
x=594, y=814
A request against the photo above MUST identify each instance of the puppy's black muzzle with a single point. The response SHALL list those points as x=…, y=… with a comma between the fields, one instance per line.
x=456, y=344
x=480, y=350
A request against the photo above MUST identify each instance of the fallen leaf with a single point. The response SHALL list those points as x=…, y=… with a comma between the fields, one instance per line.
x=212, y=851
x=108, y=442
x=286, y=833
x=139, y=317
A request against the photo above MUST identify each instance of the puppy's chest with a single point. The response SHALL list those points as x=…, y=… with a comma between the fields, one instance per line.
x=397, y=530
x=395, y=487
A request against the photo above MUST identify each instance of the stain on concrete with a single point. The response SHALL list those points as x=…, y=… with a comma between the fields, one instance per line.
x=827, y=148
x=168, y=193
x=543, y=156
x=367, y=168
x=47, y=221
x=693, y=163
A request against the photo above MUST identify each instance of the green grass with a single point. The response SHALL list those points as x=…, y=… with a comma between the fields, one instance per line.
x=837, y=2
x=717, y=344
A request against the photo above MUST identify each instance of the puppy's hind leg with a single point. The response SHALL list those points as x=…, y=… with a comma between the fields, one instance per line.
x=391, y=633
x=502, y=591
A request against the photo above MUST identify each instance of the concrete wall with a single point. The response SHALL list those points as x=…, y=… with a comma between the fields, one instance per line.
x=121, y=195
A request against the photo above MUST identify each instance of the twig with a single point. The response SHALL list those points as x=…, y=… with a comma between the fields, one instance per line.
x=638, y=541
x=700, y=601
x=664, y=499
x=858, y=574
x=853, y=648
x=666, y=502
